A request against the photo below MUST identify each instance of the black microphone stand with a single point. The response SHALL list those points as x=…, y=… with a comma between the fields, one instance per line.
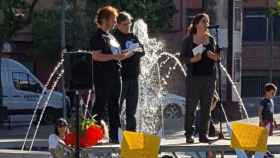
x=221, y=135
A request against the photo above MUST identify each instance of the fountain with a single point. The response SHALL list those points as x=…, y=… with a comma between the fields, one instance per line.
x=57, y=67
x=152, y=81
x=151, y=88
x=45, y=105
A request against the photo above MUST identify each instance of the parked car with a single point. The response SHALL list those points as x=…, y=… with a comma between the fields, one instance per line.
x=174, y=106
x=21, y=92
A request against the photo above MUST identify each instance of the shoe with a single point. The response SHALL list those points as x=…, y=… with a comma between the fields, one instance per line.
x=203, y=139
x=189, y=140
x=268, y=154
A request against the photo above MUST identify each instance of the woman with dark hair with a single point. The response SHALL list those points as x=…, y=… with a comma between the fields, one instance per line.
x=106, y=54
x=130, y=67
x=60, y=130
x=198, y=53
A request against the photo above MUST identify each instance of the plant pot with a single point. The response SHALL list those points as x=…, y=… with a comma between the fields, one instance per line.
x=89, y=138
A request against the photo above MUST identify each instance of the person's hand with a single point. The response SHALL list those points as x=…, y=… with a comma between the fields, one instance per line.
x=212, y=55
x=118, y=56
x=261, y=123
x=274, y=124
x=127, y=55
x=139, y=49
x=123, y=55
x=197, y=58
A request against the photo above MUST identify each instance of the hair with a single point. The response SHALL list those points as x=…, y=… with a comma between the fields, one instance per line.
x=59, y=122
x=123, y=16
x=105, y=13
x=192, y=27
x=270, y=86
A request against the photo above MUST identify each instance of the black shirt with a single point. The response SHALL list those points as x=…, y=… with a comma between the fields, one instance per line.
x=206, y=66
x=130, y=66
x=267, y=112
x=105, y=42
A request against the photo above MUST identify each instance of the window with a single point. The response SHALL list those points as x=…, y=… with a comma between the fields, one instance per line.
x=255, y=25
x=276, y=30
x=23, y=81
x=253, y=86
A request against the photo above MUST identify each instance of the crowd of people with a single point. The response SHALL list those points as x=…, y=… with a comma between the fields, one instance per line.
x=116, y=54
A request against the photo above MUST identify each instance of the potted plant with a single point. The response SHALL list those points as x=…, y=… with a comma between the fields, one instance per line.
x=90, y=133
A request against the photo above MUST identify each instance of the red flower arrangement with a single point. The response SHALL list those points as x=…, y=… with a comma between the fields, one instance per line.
x=91, y=133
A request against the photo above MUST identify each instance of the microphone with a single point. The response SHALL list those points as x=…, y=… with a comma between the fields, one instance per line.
x=213, y=26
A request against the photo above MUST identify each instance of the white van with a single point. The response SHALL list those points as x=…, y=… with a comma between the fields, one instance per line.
x=21, y=92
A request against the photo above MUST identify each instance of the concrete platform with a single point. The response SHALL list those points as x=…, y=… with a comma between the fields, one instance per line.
x=5, y=153
x=173, y=146
x=179, y=145
x=174, y=143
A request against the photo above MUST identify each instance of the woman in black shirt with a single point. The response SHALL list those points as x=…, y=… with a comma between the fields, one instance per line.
x=201, y=74
x=106, y=70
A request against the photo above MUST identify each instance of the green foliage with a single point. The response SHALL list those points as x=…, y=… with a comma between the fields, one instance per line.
x=80, y=24
x=9, y=21
x=46, y=34
x=157, y=14
x=274, y=11
x=86, y=123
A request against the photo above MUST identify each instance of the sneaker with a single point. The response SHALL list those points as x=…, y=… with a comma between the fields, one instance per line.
x=268, y=154
x=189, y=140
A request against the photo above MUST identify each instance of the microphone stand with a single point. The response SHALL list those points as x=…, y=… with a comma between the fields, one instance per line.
x=221, y=135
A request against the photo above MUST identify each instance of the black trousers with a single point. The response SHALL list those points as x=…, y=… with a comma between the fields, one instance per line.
x=130, y=93
x=199, y=89
x=107, y=90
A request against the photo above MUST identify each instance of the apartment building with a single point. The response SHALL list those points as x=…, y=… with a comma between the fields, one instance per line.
x=260, y=55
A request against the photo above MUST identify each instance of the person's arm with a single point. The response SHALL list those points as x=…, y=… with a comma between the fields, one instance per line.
x=259, y=111
x=186, y=52
x=196, y=58
x=213, y=54
x=138, y=52
x=274, y=123
x=97, y=46
x=99, y=56
x=126, y=55
x=214, y=101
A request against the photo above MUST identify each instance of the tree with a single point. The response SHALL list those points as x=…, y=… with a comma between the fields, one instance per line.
x=274, y=11
x=158, y=14
x=15, y=14
x=46, y=34
x=80, y=15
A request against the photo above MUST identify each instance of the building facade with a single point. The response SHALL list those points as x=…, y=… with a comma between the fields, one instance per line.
x=260, y=55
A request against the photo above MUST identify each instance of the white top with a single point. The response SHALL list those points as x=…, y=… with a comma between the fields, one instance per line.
x=53, y=141
x=53, y=144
